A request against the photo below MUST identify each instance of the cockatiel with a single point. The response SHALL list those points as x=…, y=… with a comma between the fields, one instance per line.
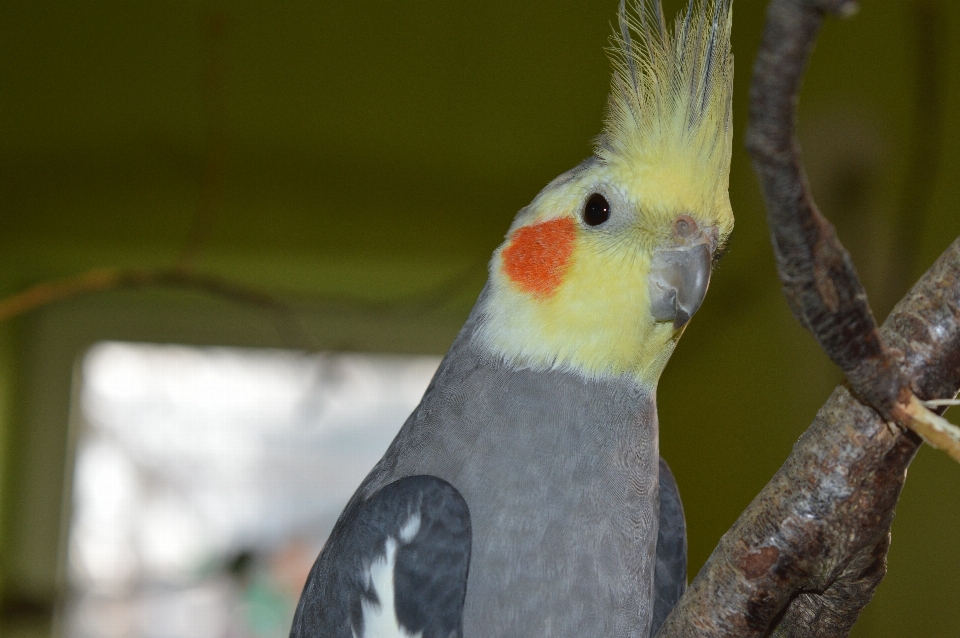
x=525, y=495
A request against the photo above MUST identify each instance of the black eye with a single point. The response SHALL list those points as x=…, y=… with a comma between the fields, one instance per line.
x=597, y=210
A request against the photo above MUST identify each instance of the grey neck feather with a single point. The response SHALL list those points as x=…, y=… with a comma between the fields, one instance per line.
x=560, y=475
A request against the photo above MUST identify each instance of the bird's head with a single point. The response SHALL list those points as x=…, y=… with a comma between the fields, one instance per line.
x=602, y=271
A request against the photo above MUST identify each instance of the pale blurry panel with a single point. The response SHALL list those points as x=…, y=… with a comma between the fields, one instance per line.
x=207, y=479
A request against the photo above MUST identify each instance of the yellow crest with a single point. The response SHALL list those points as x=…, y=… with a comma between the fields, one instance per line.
x=670, y=99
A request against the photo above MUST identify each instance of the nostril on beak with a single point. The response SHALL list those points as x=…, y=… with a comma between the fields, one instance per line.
x=685, y=227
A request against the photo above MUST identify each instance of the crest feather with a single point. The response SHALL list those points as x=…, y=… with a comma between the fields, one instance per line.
x=671, y=94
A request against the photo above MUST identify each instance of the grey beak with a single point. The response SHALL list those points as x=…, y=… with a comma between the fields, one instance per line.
x=678, y=283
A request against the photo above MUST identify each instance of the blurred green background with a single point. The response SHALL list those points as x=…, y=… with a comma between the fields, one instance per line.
x=360, y=161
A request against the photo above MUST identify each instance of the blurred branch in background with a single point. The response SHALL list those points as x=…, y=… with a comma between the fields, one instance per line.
x=209, y=207
x=103, y=279
x=929, y=24
x=285, y=316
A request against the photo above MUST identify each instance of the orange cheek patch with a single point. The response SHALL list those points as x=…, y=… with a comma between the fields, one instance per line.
x=538, y=256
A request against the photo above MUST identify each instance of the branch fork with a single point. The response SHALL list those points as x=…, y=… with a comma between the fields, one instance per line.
x=807, y=554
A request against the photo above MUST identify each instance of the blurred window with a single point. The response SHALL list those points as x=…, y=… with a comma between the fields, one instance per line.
x=206, y=480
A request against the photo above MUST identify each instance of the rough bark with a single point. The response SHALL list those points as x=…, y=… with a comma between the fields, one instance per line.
x=810, y=549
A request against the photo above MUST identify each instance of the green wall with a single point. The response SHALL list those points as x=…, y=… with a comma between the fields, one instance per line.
x=361, y=161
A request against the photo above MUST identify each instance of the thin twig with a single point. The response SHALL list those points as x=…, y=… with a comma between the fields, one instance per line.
x=941, y=403
x=935, y=430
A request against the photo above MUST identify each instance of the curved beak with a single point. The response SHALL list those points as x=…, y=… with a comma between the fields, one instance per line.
x=678, y=282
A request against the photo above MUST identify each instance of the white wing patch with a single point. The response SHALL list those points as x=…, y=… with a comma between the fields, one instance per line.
x=410, y=528
x=380, y=621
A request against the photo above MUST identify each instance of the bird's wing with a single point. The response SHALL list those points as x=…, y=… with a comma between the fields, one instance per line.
x=394, y=566
x=670, y=580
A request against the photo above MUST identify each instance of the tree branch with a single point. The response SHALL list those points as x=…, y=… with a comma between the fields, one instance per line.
x=818, y=277
x=806, y=555
x=808, y=552
x=817, y=274
x=284, y=314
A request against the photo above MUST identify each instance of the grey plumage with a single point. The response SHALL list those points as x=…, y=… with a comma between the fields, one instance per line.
x=430, y=570
x=560, y=475
x=671, y=571
x=542, y=417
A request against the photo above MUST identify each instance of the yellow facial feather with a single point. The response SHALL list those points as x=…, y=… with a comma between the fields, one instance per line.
x=595, y=323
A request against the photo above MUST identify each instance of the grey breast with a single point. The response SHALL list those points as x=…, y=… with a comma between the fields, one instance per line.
x=560, y=477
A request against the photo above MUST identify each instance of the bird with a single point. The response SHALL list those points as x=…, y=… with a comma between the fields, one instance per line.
x=525, y=495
